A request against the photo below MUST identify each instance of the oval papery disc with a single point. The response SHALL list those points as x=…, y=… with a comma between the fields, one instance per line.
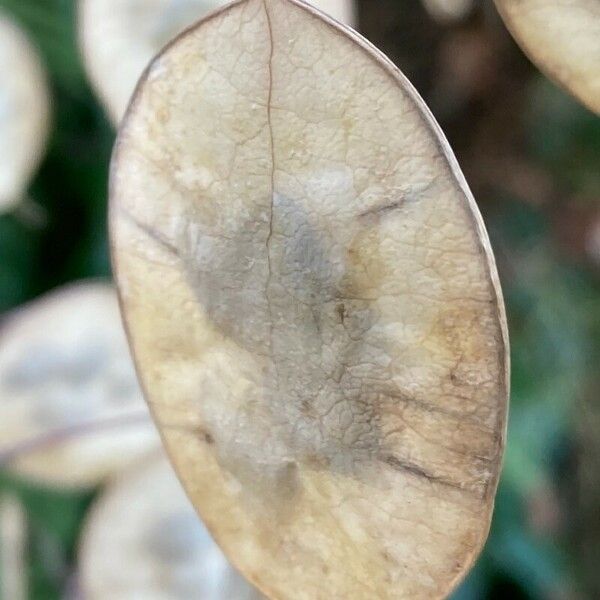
x=143, y=539
x=67, y=383
x=313, y=306
x=120, y=37
x=24, y=111
x=561, y=38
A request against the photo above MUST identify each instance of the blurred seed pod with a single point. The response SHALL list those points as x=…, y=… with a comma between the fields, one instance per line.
x=562, y=39
x=71, y=411
x=143, y=539
x=119, y=38
x=448, y=11
x=24, y=112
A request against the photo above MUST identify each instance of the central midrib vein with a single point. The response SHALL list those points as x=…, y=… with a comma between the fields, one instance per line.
x=272, y=191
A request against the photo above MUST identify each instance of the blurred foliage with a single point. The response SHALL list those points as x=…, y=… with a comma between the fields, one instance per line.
x=532, y=156
x=54, y=522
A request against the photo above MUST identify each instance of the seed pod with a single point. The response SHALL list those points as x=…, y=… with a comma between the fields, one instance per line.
x=143, y=539
x=24, y=112
x=562, y=39
x=313, y=306
x=119, y=38
x=71, y=412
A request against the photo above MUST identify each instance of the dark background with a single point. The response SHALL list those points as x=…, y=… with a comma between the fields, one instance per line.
x=532, y=157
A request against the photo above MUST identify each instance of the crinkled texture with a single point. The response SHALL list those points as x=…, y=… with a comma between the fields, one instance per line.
x=313, y=307
x=24, y=112
x=159, y=550
x=67, y=381
x=562, y=37
x=120, y=37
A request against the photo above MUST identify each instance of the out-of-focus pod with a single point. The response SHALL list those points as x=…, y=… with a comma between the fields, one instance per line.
x=71, y=411
x=119, y=38
x=562, y=39
x=448, y=11
x=143, y=539
x=24, y=112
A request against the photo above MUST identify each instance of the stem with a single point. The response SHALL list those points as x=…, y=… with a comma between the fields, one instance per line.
x=13, y=541
x=59, y=436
